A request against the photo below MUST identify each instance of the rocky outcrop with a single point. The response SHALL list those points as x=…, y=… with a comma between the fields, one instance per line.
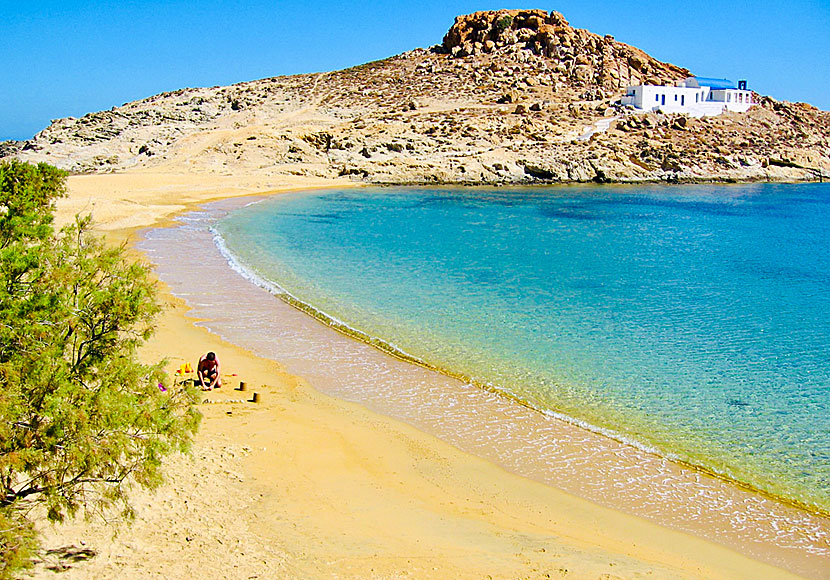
x=509, y=97
x=583, y=57
x=9, y=148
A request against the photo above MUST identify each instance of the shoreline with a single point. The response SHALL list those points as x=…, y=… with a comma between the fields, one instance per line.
x=816, y=177
x=181, y=321
x=390, y=349
x=596, y=467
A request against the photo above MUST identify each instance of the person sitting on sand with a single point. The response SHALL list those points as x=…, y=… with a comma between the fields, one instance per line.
x=207, y=371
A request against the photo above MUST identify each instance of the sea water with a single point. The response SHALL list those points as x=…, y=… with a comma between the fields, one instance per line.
x=690, y=320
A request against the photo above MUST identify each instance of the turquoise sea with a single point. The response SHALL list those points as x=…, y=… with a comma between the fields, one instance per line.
x=690, y=320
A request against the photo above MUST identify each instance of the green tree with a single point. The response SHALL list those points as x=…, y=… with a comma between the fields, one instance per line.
x=81, y=418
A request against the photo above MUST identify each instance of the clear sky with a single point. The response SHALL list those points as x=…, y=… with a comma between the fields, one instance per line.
x=69, y=57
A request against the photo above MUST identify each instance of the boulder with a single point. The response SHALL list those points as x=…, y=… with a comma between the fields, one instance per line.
x=583, y=73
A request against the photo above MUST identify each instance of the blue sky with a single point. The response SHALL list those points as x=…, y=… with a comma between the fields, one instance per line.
x=70, y=57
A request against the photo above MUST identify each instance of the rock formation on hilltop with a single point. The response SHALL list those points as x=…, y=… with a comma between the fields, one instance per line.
x=583, y=57
x=512, y=96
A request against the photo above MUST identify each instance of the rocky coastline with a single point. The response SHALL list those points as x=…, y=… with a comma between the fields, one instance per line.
x=508, y=97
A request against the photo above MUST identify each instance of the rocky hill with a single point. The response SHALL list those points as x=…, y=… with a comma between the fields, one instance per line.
x=512, y=96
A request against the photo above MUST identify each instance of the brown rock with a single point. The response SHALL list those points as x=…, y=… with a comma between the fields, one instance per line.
x=583, y=73
x=635, y=62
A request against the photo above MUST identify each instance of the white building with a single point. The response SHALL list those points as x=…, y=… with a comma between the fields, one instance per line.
x=695, y=96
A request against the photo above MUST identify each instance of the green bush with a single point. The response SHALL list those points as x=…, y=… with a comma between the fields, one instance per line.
x=18, y=542
x=503, y=23
x=81, y=419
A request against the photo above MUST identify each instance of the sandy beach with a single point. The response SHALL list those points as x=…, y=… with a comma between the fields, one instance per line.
x=302, y=485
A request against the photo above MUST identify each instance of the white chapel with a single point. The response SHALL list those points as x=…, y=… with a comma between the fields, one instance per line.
x=696, y=96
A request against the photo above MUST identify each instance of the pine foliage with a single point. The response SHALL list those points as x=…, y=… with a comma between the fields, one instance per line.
x=81, y=418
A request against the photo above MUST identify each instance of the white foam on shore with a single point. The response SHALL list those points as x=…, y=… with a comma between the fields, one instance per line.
x=328, y=319
x=611, y=434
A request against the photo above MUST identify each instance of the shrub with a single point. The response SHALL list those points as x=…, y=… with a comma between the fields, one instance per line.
x=503, y=23
x=81, y=419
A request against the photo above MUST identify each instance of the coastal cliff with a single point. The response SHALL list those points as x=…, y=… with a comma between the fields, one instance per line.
x=510, y=96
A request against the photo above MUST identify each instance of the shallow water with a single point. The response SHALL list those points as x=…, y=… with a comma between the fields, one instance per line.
x=694, y=320
x=476, y=420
